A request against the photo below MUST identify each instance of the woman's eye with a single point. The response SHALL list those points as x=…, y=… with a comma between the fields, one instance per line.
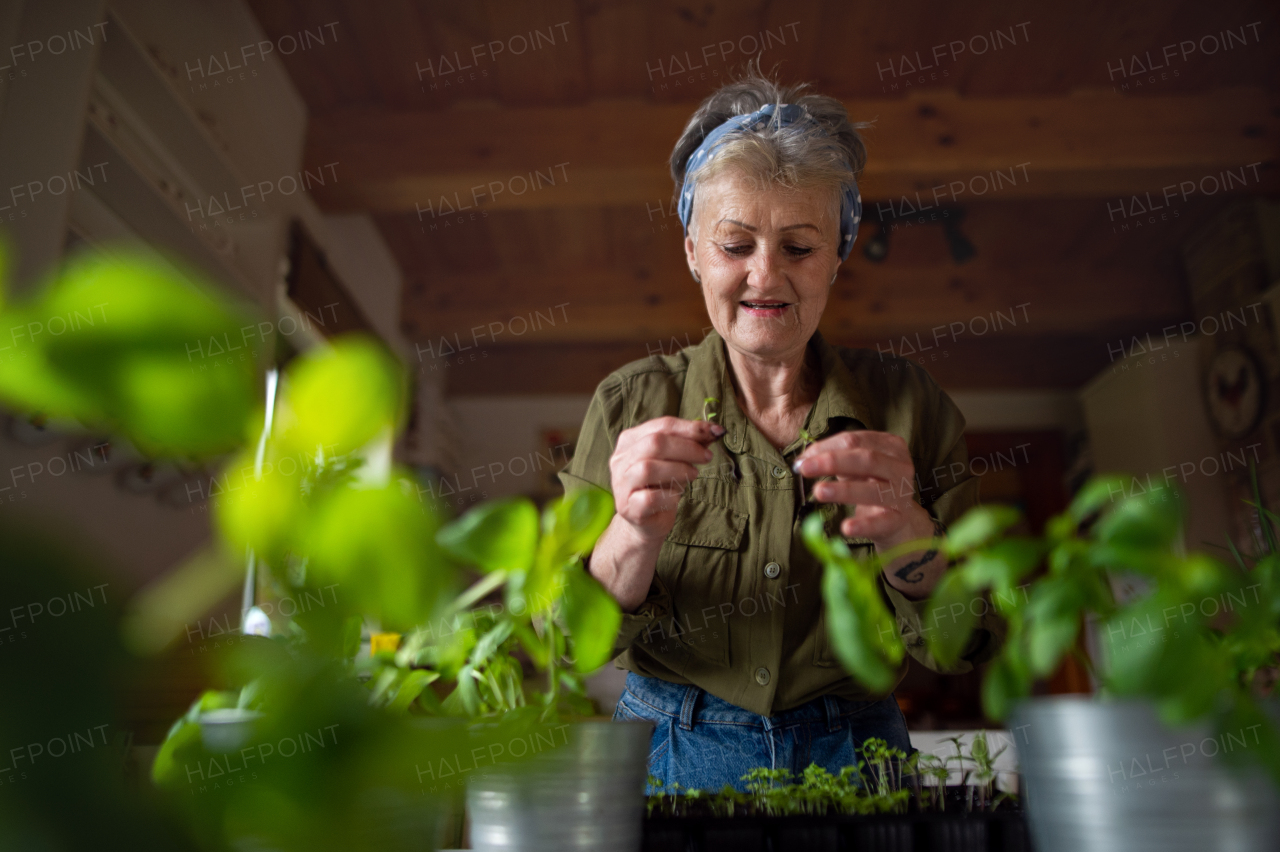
x=799, y=251
x=738, y=250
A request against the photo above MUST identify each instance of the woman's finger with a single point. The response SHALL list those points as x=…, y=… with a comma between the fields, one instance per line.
x=855, y=492
x=874, y=522
x=656, y=473
x=701, y=431
x=644, y=502
x=855, y=462
x=886, y=443
x=669, y=446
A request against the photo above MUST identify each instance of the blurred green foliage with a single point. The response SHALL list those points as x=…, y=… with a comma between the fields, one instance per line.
x=120, y=342
x=1165, y=644
x=316, y=503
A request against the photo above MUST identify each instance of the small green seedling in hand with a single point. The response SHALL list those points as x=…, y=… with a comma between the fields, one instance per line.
x=709, y=401
x=807, y=439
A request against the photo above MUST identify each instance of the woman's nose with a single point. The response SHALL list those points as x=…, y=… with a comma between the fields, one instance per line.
x=765, y=267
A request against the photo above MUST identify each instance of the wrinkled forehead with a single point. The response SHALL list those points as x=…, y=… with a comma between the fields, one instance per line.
x=733, y=196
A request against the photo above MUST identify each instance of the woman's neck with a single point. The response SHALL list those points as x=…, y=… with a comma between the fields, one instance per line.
x=775, y=394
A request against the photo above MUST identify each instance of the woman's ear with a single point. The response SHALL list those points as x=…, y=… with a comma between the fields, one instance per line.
x=691, y=256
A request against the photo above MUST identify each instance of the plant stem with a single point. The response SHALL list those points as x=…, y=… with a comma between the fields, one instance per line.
x=553, y=677
x=477, y=591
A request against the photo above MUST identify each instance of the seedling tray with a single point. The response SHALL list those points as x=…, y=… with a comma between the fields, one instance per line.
x=1000, y=831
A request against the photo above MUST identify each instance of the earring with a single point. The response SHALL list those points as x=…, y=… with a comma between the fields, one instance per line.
x=696, y=276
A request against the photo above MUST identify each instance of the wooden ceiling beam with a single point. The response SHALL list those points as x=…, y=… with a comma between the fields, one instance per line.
x=944, y=147
x=1066, y=361
x=869, y=303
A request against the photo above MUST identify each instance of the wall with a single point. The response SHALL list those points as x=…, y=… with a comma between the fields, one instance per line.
x=1146, y=420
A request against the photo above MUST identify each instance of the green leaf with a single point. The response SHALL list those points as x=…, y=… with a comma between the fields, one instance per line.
x=501, y=535
x=1003, y=564
x=128, y=344
x=570, y=527
x=576, y=520
x=378, y=545
x=863, y=634
x=1005, y=685
x=1145, y=521
x=1096, y=495
x=251, y=695
x=1053, y=621
x=533, y=646
x=351, y=629
x=489, y=643
x=978, y=526
x=815, y=538
x=340, y=397
x=593, y=619
x=951, y=617
x=166, y=769
x=261, y=514
x=465, y=698
x=410, y=688
x=1060, y=528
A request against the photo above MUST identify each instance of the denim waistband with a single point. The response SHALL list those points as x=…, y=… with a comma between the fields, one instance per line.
x=691, y=703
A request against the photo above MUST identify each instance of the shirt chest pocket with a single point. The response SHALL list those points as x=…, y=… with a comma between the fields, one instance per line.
x=699, y=566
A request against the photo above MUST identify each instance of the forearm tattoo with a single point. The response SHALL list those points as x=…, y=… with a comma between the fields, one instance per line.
x=939, y=530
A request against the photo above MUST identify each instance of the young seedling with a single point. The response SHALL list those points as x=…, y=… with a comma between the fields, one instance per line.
x=807, y=439
x=706, y=415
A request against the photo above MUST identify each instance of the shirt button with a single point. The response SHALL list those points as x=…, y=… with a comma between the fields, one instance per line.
x=772, y=570
x=762, y=676
x=779, y=472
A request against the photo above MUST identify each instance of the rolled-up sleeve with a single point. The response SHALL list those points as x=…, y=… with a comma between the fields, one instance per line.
x=589, y=468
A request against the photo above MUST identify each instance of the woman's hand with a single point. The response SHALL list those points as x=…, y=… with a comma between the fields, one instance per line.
x=874, y=473
x=651, y=466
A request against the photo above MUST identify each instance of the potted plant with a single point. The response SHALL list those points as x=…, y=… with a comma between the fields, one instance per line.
x=1173, y=671
x=588, y=793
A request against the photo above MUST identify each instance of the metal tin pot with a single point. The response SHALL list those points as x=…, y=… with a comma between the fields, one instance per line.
x=1110, y=777
x=228, y=729
x=586, y=794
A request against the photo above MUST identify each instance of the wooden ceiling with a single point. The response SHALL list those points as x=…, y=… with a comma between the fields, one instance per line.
x=567, y=142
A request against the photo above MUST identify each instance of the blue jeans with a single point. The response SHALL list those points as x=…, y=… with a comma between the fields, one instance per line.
x=705, y=742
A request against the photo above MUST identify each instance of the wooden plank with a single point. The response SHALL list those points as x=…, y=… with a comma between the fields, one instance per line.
x=524, y=369
x=611, y=152
x=873, y=303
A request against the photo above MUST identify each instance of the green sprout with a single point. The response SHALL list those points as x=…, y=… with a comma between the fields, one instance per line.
x=709, y=401
x=807, y=439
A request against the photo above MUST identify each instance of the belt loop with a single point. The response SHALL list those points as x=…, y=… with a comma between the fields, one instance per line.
x=833, y=713
x=686, y=709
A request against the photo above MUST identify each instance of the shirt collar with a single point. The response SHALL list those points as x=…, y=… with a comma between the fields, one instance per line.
x=708, y=376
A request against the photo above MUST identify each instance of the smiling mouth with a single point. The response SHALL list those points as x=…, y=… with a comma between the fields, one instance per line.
x=766, y=305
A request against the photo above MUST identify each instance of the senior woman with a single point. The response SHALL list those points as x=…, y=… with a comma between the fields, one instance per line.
x=723, y=631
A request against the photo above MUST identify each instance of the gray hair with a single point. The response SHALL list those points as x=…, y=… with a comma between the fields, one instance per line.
x=797, y=156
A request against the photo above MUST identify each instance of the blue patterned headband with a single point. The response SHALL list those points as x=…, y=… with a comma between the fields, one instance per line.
x=782, y=115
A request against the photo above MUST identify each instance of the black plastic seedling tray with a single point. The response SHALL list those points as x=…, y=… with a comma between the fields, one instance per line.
x=1002, y=831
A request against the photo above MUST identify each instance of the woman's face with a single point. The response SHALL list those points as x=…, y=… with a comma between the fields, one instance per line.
x=766, y=257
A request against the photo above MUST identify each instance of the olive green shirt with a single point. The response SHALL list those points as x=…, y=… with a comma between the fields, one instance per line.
x=736, y=605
